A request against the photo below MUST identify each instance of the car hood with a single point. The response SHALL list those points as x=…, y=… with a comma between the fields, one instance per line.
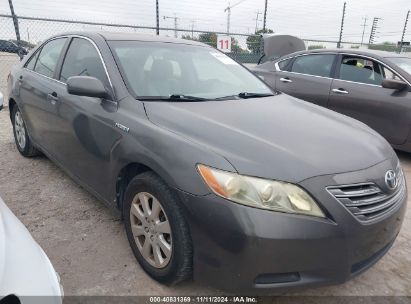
x=277, y=137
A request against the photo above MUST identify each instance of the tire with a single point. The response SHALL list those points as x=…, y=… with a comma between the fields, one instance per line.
x=21, y=138
x=177, y=266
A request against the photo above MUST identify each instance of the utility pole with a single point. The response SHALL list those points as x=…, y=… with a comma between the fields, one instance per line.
x=403, y=32
x=373, y=29
x=228, y=10
x=256, y=21
x=192, y=29
x=157, y=19
x=15, y=21
x=265, y=16
x=363, y=30
x=342, y=26
x=175, y=23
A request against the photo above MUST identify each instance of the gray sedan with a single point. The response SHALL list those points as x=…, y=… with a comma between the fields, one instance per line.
x=216, y=176
x=373, y=87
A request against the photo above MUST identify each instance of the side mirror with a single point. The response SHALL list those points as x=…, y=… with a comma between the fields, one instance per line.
x=86, y=86
x=394, y=84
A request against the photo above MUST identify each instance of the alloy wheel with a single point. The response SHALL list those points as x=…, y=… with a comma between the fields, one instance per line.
x=151, y=230
x=20, y=130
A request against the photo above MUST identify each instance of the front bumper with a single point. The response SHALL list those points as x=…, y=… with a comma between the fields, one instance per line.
x=242, y=248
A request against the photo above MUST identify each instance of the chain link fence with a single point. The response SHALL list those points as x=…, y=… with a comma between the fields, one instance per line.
x=245, y=48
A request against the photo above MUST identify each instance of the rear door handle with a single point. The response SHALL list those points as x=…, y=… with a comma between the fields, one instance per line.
x=285, y=79
x=339, y=91
x=52, y=98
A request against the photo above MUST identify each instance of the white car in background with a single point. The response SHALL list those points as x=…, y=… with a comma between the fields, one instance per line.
x=26, y=272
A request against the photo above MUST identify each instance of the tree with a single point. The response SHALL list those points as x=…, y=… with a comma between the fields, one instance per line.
x=254, y=41
x=386, y=46
x=208, y=38
x=316, y=46
x=235, y=47
x=188, y=37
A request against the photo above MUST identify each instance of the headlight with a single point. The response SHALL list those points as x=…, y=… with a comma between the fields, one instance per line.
x=260, y=193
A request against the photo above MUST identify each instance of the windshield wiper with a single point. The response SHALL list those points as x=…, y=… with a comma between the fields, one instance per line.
x=245, y=95
x=174, y=97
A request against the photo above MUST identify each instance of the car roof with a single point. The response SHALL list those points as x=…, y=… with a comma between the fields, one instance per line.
x=375, y=53
x=111, y=36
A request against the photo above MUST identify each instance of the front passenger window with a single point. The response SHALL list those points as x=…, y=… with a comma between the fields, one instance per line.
x=362, y=70
x=82, y=59
x=32, y=62
x=49, y=56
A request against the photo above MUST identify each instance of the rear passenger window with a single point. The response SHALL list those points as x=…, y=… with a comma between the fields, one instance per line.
x=317, y=65
x=82, y=59
x=49, y=56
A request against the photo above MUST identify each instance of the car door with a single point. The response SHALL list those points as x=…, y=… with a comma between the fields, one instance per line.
x=85, y=128
x=268, y=71
x=308, y=77
x=357, y=92
x=36, y=83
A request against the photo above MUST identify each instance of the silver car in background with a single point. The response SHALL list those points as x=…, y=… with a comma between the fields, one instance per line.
x=25, y=270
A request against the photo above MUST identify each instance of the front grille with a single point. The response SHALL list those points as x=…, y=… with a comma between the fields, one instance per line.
x=366, y=201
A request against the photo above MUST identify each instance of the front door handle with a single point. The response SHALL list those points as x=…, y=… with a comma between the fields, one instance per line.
x=285, y=79
x=52, y=98
x=339, y=91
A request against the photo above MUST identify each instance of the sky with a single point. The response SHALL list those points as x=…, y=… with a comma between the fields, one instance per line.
x=315, y=19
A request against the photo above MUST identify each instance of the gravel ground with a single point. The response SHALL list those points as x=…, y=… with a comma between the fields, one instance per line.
x=87, y=244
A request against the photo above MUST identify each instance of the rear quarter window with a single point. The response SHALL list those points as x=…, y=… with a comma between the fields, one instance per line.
x=283, y=64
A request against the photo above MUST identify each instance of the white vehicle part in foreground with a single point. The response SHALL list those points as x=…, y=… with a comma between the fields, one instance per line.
x=25, y=270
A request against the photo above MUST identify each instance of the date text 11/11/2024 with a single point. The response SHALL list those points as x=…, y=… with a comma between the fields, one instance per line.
x=203, y=299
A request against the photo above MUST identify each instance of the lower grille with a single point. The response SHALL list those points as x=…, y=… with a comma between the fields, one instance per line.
x=366, y=201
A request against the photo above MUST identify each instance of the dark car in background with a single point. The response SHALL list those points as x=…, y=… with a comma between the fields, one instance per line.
x=216, y=176
x=11, y=47
x=373, y=87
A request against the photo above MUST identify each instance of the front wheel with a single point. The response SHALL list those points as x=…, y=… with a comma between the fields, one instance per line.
x=23, y=142
x=157, y=230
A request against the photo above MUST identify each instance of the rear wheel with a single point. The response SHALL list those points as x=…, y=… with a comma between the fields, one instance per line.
x=157, y=230
x=23, y=142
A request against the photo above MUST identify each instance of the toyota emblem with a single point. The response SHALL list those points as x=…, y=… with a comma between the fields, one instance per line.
x=391, y=180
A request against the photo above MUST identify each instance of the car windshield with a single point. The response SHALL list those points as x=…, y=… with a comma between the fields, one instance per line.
x=159, y=69
x=403, y=63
